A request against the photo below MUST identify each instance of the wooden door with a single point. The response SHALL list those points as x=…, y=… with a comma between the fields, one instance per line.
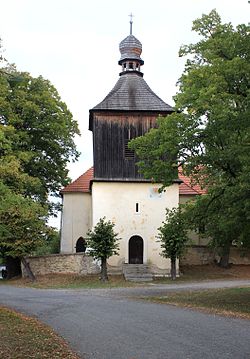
x=136, y=250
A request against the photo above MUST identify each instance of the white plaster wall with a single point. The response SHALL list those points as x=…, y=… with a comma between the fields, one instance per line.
x=117, y=202
x=76, y=219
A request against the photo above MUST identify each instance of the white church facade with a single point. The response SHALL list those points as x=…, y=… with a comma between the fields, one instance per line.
x=113, y=187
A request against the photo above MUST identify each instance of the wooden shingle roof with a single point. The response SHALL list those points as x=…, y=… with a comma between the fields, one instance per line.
x=132, y=93
x=130, y=48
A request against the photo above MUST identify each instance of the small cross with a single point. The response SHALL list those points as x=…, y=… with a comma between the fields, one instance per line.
x=131, y=22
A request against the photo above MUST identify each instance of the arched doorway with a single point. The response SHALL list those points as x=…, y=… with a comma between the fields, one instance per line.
x=135, y=250
x=80, y=245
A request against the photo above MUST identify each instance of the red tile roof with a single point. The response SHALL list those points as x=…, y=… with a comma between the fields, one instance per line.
x=82, y=184
x=186, y=188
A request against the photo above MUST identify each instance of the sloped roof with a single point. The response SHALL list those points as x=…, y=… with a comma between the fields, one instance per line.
x=82, y=184
x=132, y=93
x=186, y=188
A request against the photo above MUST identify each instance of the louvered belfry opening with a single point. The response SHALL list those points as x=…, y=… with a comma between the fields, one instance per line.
x=129, y=110
x=129, y=134
x=128, y=153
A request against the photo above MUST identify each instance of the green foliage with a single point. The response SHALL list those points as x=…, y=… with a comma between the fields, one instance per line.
x=50, y=244
x=173, y=234
x=224, y=215
x=103, y=244
x=157, y=151
x=39, y=129
x=102, y=240
x=36, y=142
x=209, y=135
x=22, y=223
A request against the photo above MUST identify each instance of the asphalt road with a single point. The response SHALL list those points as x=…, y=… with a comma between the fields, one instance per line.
x=106, y=324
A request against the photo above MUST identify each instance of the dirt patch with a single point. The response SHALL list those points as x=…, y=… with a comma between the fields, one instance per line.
x=25, y=337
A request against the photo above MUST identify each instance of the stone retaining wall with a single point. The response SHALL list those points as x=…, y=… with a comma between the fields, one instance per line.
x=77, y=263
x=199, y=255
x=82, y=264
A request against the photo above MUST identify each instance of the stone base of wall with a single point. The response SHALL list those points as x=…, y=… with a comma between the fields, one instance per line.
x=158, y=272
x=82, y=264
x=77, y=263
x=201, y=255
x=114, y=270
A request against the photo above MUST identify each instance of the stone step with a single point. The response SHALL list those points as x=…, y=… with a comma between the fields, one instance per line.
x=139, y=279
x=136, y=268
x=137, y=272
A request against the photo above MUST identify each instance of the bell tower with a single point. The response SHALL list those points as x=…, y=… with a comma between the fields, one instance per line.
x=129, y=110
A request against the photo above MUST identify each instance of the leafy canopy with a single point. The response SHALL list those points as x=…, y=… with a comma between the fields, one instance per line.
x=36, y=130
x=22, y=223
x=102, y=240
x=36, y=142
x=209, y=134
x=173, y=234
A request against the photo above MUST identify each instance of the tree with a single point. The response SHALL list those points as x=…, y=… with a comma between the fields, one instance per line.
x=36, y=142
x=209, y=133
x=222, y=220
x=50, y=244
x=102, y=241
x=22, y=226
x=173, y=237
x=42, y=127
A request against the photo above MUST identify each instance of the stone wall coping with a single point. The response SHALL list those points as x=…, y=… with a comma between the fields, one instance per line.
x=59, y=255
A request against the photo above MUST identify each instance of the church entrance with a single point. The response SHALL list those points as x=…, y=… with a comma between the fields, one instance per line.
x=135, y=250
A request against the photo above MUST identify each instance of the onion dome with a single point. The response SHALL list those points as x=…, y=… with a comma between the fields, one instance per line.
x=131, y=49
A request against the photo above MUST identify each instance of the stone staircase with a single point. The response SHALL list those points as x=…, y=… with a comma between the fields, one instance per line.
x=137, y=273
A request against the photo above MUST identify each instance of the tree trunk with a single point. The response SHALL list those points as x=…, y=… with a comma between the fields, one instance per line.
x=224, y=259
x=13, y=267
x=173, y=268
x=28, y=269
x=104, y=272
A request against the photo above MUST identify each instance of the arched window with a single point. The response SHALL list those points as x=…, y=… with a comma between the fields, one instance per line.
x=81, y=245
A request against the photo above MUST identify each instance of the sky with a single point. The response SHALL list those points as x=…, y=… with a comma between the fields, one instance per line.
x=75, y=45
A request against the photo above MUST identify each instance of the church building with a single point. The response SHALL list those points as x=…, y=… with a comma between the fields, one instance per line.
x=113, y=187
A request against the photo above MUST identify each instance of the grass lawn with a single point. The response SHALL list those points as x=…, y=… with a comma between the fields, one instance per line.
x=209, y=272
x=228, y=301
x=24, y=337
x=188, y=274
x=65, y=281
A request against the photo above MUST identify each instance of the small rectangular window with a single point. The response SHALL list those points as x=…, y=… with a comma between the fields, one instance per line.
x=137, y=208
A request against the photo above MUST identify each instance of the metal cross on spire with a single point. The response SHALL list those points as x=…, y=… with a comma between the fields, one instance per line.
x=131, y=22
